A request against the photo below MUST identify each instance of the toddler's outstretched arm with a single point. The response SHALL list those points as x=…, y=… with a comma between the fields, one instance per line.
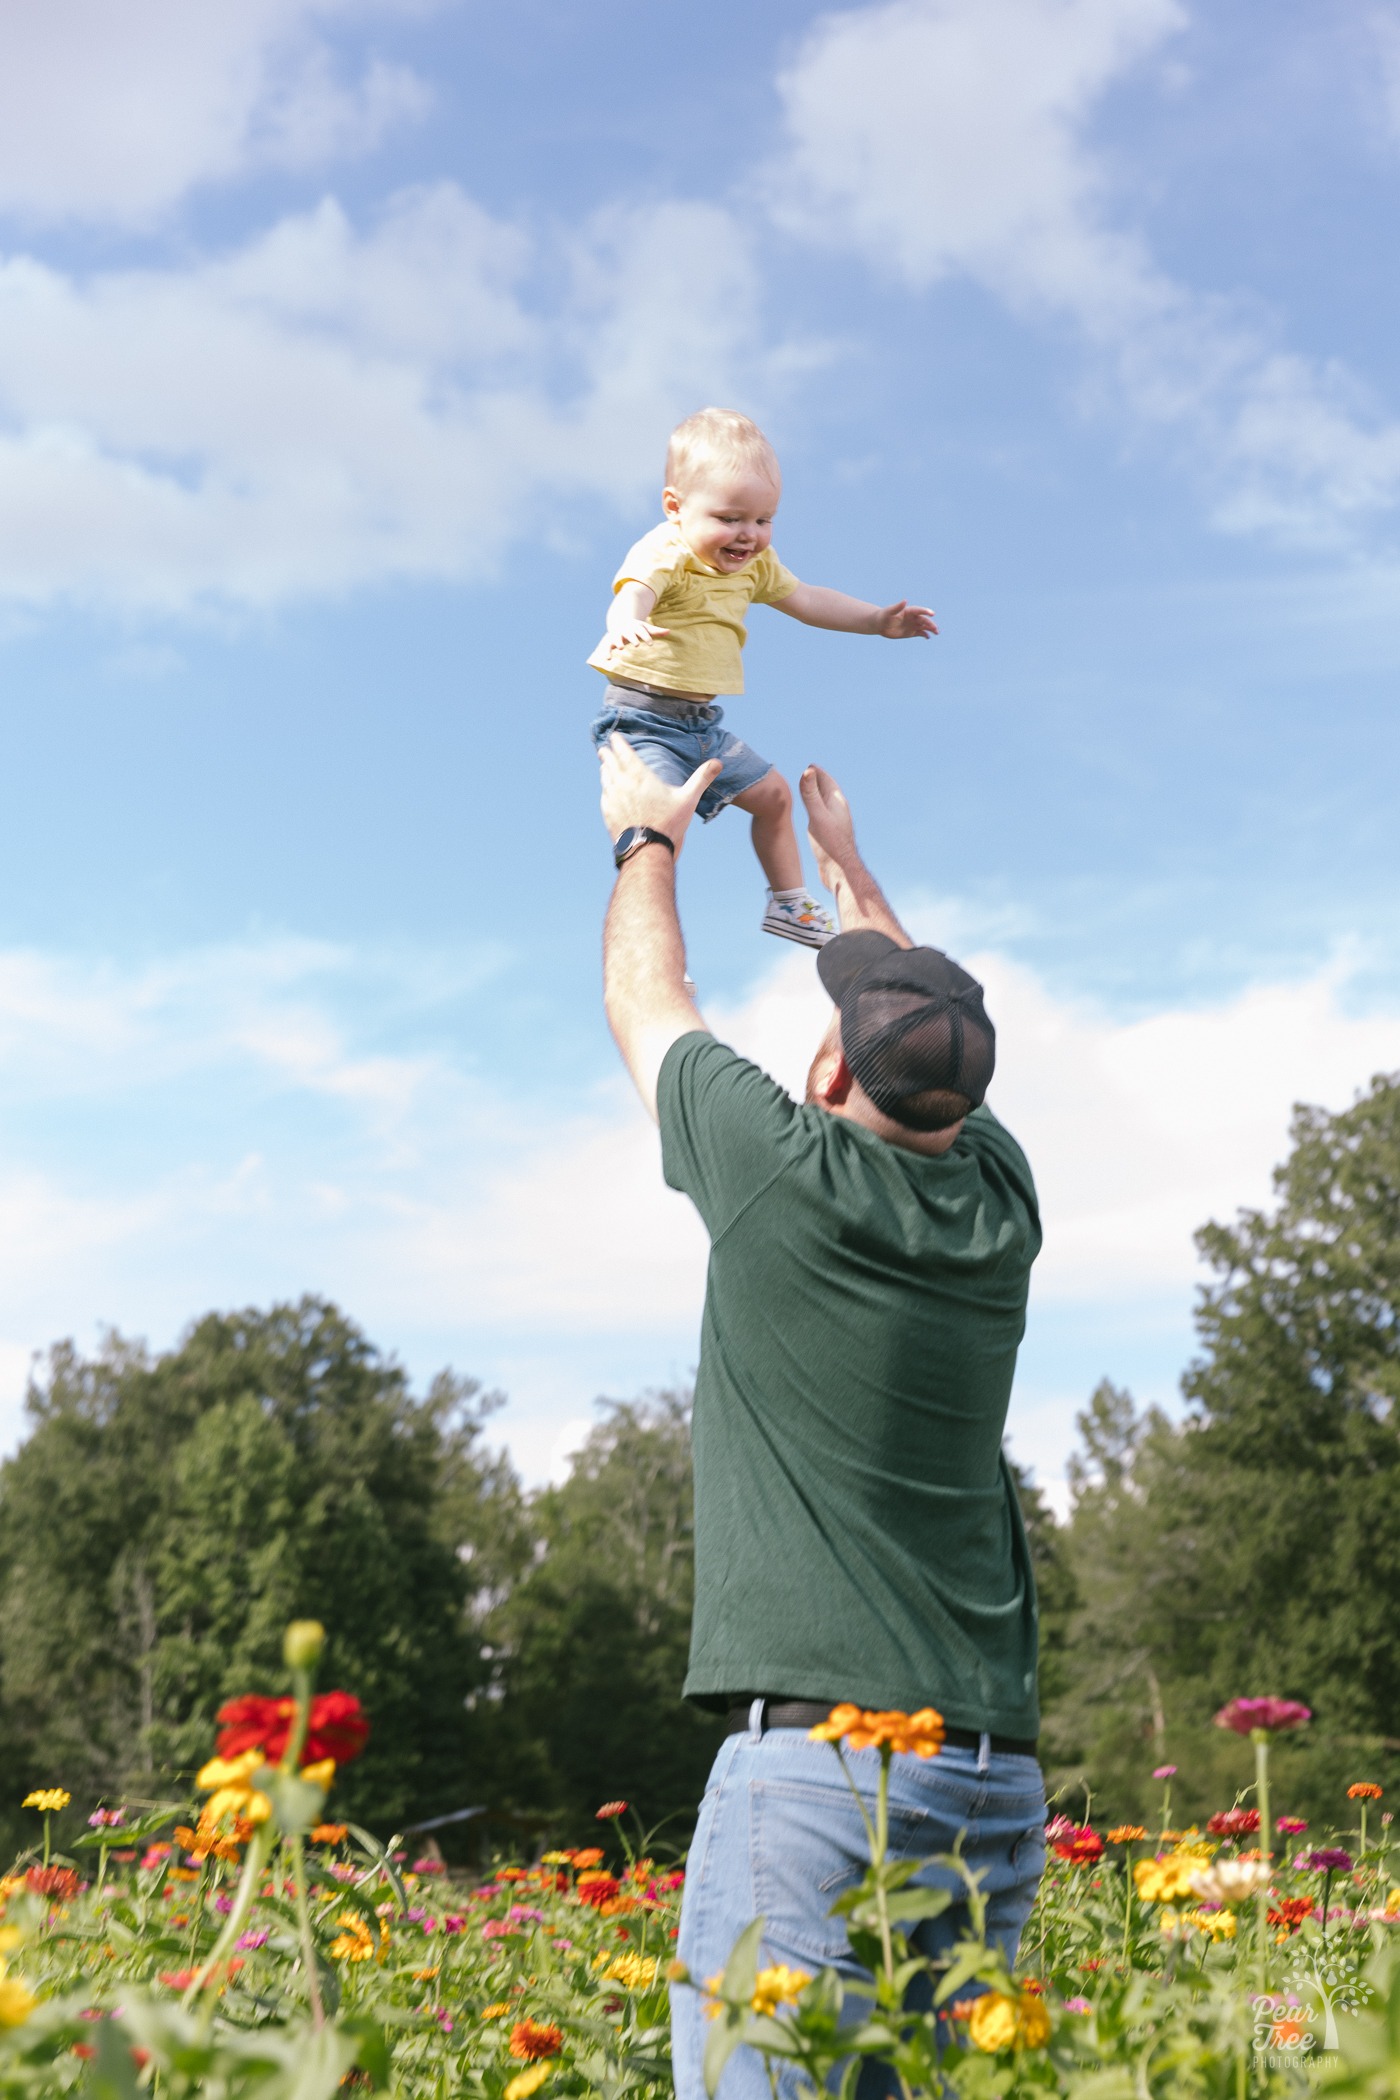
x=627, y=616
x=817, y=605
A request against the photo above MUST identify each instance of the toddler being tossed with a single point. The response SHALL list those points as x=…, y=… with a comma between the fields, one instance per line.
x=676, y=627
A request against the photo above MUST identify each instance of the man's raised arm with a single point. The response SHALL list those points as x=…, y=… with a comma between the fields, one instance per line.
x=644, y=981
x=859, y=899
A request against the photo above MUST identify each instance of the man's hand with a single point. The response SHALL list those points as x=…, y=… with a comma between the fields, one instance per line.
x=859, y=898
x=904, y=622
x=633, y=794
x=830, y=831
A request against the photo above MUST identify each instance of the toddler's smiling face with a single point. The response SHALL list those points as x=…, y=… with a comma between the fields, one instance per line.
x=725, y=515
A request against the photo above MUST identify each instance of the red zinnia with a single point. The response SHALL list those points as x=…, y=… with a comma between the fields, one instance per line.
x=535, y=2040
x=338, y=1729
x=1080, y=1846
x=59, y=1882
x=1234, y=1822
x=1292, y=1911
x=610, y=1809
x=598, y=1889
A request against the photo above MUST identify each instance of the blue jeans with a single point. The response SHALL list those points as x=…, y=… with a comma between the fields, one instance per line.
x=674, y=747
x=779, y=1837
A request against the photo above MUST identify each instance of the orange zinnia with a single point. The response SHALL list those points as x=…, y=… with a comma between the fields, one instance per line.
x=1364, y=1790
x=533, y=2040
x=1126, y=1834
x=921, y=1733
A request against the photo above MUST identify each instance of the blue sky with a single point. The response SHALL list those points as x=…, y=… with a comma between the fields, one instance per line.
x=339, y=347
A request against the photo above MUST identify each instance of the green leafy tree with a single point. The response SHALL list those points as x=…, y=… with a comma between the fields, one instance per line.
x=1256, y=1545
x=167, y=1515
x=596, y=1634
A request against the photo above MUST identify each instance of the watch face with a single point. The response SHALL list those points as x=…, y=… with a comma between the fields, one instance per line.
x=626, y=841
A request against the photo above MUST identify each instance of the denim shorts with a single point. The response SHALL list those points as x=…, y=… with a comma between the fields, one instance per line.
x=674, y=747
x=779, y=1837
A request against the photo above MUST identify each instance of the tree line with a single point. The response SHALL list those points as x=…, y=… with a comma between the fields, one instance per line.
x=523, y=1653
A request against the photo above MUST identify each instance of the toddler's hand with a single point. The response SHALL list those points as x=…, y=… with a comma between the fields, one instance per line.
x=904, y=622
x=634, y=631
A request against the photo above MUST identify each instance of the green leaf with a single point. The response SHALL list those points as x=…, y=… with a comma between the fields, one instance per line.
x=111, y=2073
x=296, y=1803
x=919, y=1903
x=726, y=2031
x=320, y=2061
x=380, y=1857
x=741, y=1969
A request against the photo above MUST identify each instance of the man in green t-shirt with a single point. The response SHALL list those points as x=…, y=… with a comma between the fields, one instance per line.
x=857, y=1532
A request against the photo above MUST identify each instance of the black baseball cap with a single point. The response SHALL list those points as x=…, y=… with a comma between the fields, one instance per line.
x=912, y=1024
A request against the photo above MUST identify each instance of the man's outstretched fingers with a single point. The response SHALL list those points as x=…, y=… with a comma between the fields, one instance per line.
x=700, y=779
x=633, y=794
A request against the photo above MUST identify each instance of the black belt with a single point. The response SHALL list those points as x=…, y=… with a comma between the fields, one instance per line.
x=806, y=1713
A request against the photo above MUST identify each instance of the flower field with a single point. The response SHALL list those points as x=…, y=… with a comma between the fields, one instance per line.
x=253, y=1945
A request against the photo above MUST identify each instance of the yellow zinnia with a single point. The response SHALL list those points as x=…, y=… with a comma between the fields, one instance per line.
x=17, y=2002
x=48, y=1798
x=635, y=1972
x=233, y=1794
x=356, y=1941
x=998, y=2022
x=777, y=1986
x=526, y=2082
x=1166, y=1880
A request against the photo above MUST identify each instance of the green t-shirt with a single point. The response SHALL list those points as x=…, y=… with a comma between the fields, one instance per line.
x=857, y=1534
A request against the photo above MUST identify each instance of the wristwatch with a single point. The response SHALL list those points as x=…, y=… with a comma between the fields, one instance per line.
x=634, y=838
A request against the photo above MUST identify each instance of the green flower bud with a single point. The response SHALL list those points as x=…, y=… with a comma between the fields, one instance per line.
x=302, y=1644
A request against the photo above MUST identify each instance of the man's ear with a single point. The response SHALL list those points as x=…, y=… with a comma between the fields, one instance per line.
x=832, y=1078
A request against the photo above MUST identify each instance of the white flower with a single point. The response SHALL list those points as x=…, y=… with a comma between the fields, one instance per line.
x=1231, y=1880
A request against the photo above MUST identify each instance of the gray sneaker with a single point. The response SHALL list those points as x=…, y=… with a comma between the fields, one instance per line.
x=802, y=919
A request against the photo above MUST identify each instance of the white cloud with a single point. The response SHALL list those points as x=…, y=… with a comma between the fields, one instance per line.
x=943, y=137
x=215, y=1130
x=112, y=113
x=328, y=406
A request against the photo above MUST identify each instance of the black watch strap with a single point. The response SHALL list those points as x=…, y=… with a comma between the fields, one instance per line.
x=635, y=837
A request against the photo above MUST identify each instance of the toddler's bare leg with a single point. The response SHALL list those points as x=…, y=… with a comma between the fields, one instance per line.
x=769, y=803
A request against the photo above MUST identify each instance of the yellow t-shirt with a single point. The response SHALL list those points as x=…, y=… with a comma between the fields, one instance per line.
x=703, y=609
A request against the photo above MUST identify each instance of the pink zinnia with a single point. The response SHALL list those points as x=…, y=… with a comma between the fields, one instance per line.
x=1164, y=1772
x=1247, y=1715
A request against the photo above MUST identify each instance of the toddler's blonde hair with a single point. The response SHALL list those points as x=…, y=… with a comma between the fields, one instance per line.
x=718, y=437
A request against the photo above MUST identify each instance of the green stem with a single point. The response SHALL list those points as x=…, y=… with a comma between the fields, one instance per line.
x=47, y=1820
x=1166, y=1806
x=882, y=1841
x=301, y=1721
x=308, y=1943
x=1266, y=1833
x=869, y=1826
x=1127, y=1899
x=1326, y=1899
x=254, y=1863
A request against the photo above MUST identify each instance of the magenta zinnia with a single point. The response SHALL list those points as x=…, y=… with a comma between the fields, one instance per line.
x=1245, y=1716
